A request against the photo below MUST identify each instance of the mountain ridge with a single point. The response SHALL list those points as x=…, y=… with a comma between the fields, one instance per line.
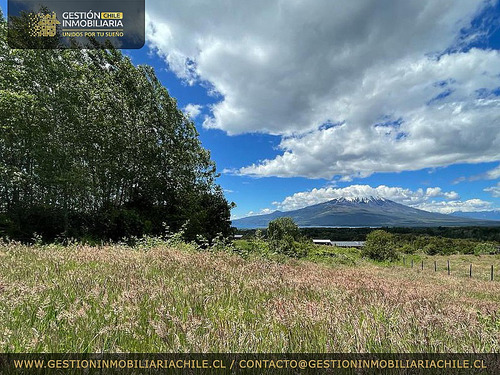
x=482, y=215
x=366, y=211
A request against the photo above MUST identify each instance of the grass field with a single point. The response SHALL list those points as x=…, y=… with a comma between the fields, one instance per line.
x=161, y=299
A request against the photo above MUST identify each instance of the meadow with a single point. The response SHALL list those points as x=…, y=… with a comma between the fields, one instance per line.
x=167, y=297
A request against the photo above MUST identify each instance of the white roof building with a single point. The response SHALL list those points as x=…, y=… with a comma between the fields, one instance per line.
x=322, y=242
x=348, y=243
x=339, y=243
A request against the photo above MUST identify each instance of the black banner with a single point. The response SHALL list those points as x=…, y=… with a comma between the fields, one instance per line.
x=248, y=363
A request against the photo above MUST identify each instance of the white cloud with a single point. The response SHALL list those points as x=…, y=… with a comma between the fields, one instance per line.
x=432, y=199
x=493, y=174
x=420, y=198
x=494, y=190
x=383, y=131
x=471, y=205
x=413, y=198
x=288, y=67
x=192, y=110
x=263, y=211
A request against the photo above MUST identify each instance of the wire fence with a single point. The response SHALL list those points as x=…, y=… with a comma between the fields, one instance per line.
x=469, y=269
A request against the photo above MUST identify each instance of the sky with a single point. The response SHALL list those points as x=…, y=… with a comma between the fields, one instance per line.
x=301, y=101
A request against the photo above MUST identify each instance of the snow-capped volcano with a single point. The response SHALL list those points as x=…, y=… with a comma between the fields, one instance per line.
x=360, y=199
x=359, y=211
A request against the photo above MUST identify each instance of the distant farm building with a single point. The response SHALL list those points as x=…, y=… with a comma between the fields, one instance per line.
x=356, y=244
x=322, y=242
x=237, y=237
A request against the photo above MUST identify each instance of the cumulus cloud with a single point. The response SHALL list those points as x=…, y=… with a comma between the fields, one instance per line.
x=471, y=205
x=432, y=199
x=192, y=110
x=494, y=190
x=353, y=88
x=263, y=211
x=389, y=124
x=413, y=198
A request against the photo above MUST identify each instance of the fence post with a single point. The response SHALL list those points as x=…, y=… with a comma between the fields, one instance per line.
x=448, y=266
x=435, y=266
x=412, y=263
x=492, y=272
x=404, y=261
x=422, y=265
x=470, y=270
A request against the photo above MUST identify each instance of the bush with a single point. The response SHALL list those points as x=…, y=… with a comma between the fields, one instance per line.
x=258, y=244
x=284, y=238
x=485, y=248
x=380, y=246
x=433, y=248
x=407, y=249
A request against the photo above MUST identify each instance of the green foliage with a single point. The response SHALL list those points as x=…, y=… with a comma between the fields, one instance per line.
x=442, y=246
x=146, y=242
x=286, y=246
x=431, y=241
x=333, y=255
x=93, y=146
x=380, y=246
x=221, y=244
x=434, y=240
x=281, y=227
x=432, y=248
x=259, y=245
x=485, y=248
x=407, y=249
x=491, y=234
x=284, y=238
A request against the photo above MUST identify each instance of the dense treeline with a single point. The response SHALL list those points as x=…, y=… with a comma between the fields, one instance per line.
x=360, y=234
x=91, y=145
x=431, y=241
x=283, y=236
x=382, y=245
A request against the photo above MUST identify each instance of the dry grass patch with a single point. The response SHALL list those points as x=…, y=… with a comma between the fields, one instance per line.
x=115, y=298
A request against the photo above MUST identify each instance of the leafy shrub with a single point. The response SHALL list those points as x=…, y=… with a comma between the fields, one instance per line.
x=258, y=244
x=432, y=248
x=407, y=249
x=284, y=238
x=147, y=242
x=380, y=246
x=221, y=244
x=243, y=247
x=485, y=248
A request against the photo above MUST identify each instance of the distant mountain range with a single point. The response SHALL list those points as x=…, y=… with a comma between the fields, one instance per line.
x=362, y=212
x=482, y=215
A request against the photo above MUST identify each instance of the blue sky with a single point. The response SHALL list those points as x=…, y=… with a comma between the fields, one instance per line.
x=302, y=102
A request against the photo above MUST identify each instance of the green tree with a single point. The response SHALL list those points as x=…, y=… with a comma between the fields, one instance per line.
x=380, y=245
x=92, y=145
x=284, y=237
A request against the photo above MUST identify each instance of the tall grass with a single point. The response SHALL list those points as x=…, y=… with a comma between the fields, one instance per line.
x=170, y=298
